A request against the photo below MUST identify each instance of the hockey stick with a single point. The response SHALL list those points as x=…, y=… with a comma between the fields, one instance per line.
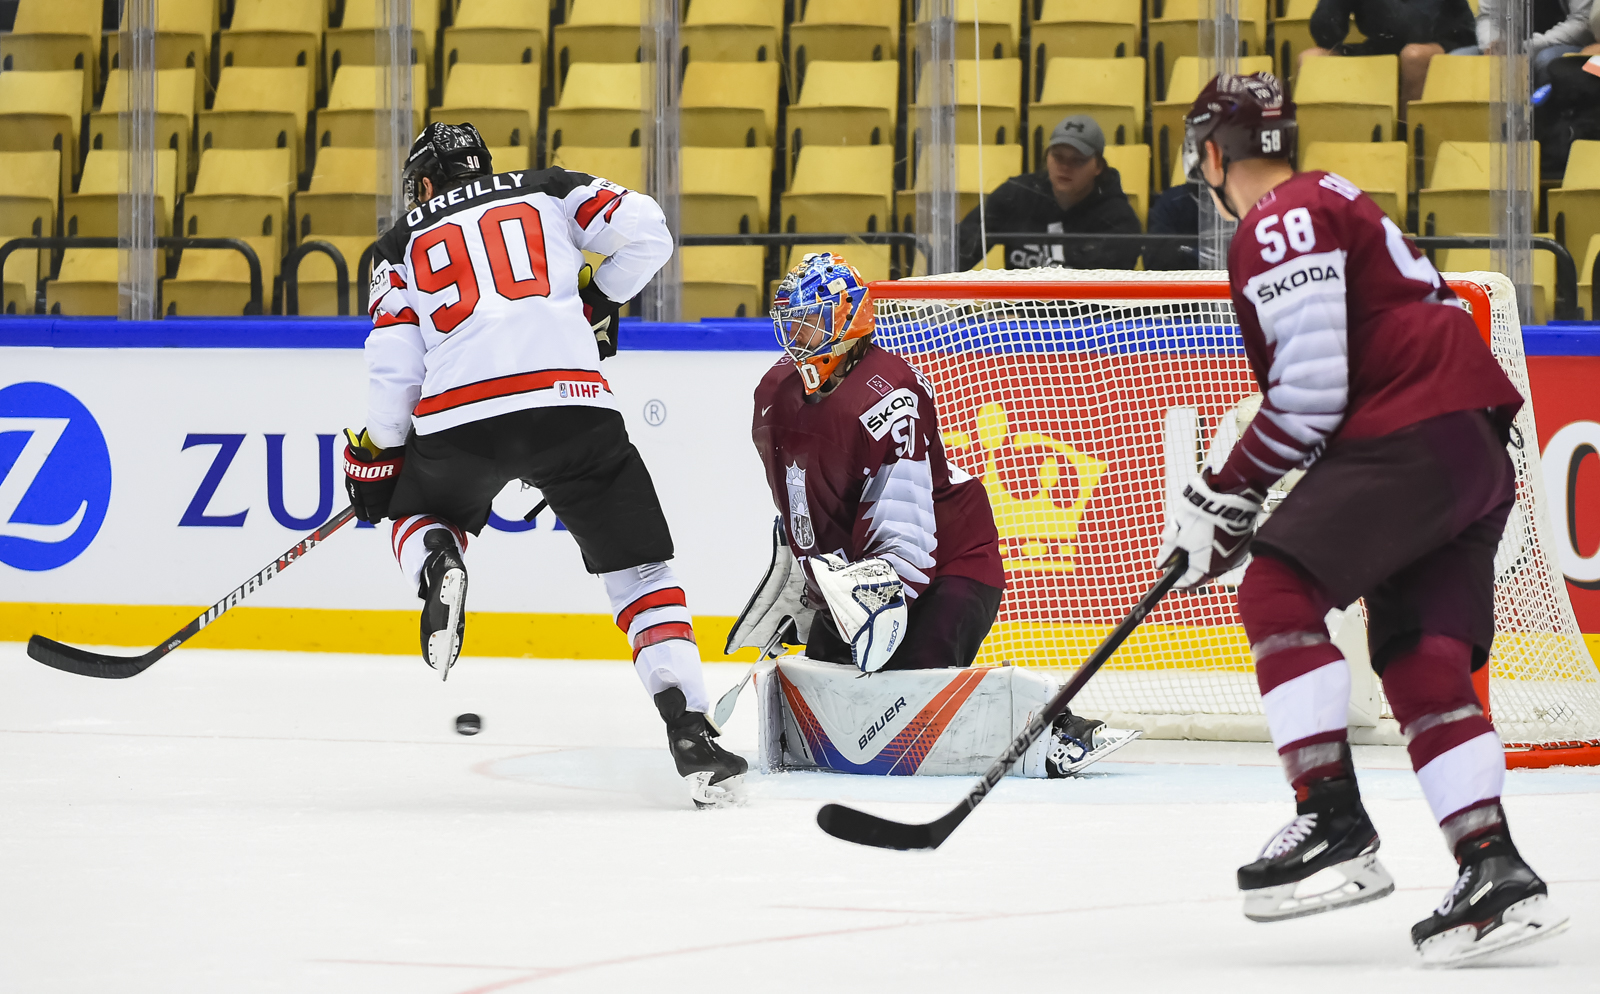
x=84, y=663
x=869, y=830
x=730, y=700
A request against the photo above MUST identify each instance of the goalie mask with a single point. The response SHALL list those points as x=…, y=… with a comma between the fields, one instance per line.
x=819, y=311
x=447, y=155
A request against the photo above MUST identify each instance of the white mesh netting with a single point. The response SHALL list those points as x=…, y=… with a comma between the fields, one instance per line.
x=1078, y=408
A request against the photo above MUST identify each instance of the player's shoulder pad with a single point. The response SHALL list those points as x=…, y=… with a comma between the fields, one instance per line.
x=894, y=389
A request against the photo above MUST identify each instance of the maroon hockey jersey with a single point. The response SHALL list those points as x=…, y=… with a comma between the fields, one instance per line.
x=861, y=472
x=1349, y=329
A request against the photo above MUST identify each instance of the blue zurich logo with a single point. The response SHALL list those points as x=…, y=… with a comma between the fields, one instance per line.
x=55, y=477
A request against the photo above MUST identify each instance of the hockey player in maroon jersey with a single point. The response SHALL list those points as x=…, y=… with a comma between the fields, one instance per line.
x=1377, y=383
x=484, y=367
x=897, y=543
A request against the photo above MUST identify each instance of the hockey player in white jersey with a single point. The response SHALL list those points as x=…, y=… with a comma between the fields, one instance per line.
x=484, y=367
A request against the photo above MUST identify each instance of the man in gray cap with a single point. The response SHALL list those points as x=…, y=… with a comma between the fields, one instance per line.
x=1076, y=192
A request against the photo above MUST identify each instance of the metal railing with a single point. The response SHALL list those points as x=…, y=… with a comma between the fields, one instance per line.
x=104, y=242
x=291, y=276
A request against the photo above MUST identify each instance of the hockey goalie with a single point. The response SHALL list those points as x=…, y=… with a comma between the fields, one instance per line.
x=886, y=563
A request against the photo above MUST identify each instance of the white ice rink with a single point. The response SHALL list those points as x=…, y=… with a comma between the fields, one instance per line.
x=234, y=822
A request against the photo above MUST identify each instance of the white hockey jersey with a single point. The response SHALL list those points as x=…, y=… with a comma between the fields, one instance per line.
x=474, y=302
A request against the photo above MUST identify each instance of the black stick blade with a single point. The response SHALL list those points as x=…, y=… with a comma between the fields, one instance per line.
x=870, y=830
x=85, y=663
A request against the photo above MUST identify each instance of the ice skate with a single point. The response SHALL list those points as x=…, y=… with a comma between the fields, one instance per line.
x=1497, y=903
x=712, y=772
x=1077, y=743
x=1326, y=858
x=444, y=591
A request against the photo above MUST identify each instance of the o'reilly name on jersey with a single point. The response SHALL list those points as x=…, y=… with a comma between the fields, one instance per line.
x=498, y=183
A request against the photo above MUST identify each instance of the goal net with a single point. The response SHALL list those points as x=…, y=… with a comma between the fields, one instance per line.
x=1081, y=399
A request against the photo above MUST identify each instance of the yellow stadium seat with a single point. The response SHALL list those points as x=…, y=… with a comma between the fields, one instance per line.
x=623, y=166
x=318, y=289
x=497, y=31
x=174, y=115
x=1458, y=201
x=1454, y=107
x=1586, y=285
x=20, y=284
x=217, y=281
x=1166, y=116
x=1291, y=35
x=242, y=193
x=55, y=35
x=732, y=30
x=1476, y=260
x=343, y=199
x=729, y=104
x=511, y=158
x=998, y=84
x=985, y=29
x=723, y=281
x=1133, y=163
x=354, y=42
x=843, y=31
x=275, y=33
x=349, y=119
x=599, y=106
x=183, y=41
x=871, y=260
x=41, y=111
x=844, y=103
x=841, y=188
x=28, y=199
x=724, y=190
x=999, y=162
x=501, y=101
x=597, y=31
x=1574, y=206
x=94, y=210
x=1109, y=90
x=1378, y=168
x=1348, y=99
x=1085, y=29
x=258, y=107
x=1176, y=33
x=86, y=284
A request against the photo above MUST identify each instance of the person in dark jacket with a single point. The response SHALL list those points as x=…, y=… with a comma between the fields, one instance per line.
x=1415, y=30
x=1075, y=192
x=1175, y=212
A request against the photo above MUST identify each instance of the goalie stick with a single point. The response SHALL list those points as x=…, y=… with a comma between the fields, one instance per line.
x=85, y=663
x=870, y=830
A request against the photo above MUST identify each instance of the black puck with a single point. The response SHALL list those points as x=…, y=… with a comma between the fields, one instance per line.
x=468, y=724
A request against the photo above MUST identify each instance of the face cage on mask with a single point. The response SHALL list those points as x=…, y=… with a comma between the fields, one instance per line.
x=810, y=360
x=1193, y=166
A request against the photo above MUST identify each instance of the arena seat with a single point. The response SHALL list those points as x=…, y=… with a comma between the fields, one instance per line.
x=1291, y=35
x=732, y=31
x=723, y=281
x=1586, y=291
x=841, y=188
x=1459, y=199
x=1133, y=162
x=1085, y=29
x=1109, y=90
x=1574, y=206
x=998, y=83
x=318, y=290
x=599, y=106
x=729, y=104
x=343, y=198
x=354, y=43
x=501, y=101
x=1000, y=163
x=843, y=31
x=1378, y=168
x=242, y=193
x=1474, y=260
x=183, y=41
x=510, y=158
x=274, y=33
x=94, y=210
x=596, y=31
x=1166, y=116
x=985, y=29
x=41, y=111
x=33, y=187
x=259, y=107
x=24, y=269
x=217, y=281
x=1454, y=107
x=724, y=190
x=497, y=32
x=174, y=115
x=1348, y=99
x=53, y=36
x=623, y=166
x=844, y=103
x=86, y=284
x=1176, y=33
x=349, y=119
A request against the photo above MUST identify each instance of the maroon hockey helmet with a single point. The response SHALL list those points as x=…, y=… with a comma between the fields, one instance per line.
x=1247, y=117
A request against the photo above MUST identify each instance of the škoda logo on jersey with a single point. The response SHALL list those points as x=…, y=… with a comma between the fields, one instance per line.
x=900, y=403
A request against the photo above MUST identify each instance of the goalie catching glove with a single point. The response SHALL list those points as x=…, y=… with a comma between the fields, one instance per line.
x=370, y=475
x=1213, y=528
x=868, y=604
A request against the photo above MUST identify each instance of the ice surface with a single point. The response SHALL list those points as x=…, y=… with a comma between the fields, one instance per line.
x=237, y=822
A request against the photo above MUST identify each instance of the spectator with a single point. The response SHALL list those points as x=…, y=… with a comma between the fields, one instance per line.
x=1415, y=30
x=1560, y=27
x=1594, y=30
x=1075, y=192
x=1175, y=212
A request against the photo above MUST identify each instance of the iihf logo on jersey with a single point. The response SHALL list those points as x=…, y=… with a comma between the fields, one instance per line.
x=799, y=509
x=56, y=482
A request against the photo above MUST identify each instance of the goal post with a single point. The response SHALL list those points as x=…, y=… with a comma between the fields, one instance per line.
x=1082, y=399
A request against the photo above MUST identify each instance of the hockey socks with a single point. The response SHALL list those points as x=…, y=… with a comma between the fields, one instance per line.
x=650, y=608
x=708, y=768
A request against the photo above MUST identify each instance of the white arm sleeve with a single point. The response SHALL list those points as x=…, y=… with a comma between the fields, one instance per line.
x=1572, y=31
x=394, y=354
x=625, y=226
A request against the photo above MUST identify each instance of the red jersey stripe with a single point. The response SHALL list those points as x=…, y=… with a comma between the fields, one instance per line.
x=664, y=632
x=406, y=316
x=665, y=597
x=505, y=386
x=594, y=205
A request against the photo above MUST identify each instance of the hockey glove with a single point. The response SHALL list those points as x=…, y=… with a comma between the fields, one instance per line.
x=602, y=313
x=868, y=604
x=1213, y=528
x=370, y=475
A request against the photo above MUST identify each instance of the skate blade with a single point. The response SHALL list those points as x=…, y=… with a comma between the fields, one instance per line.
x=1345, y=885
x=1520, y=925
x=444, y=645
x=722, y=794
x=1114, y=739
